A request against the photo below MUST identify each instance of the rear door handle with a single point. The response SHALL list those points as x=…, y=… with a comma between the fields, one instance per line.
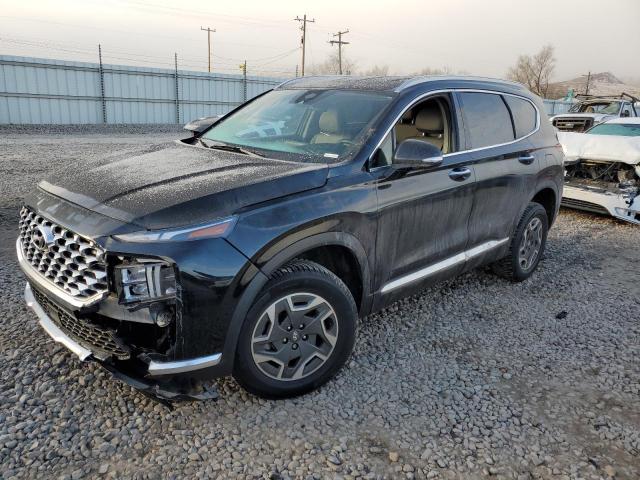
x=526, y=159
x=459, y=174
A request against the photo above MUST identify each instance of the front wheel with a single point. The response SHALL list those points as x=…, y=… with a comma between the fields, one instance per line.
x=527, y=245
x=298, y=334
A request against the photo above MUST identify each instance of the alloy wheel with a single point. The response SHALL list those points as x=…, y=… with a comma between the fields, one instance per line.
x=294, y=336
x=531, y=244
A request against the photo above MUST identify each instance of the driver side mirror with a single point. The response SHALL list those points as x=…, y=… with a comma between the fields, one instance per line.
x=196, y=127
x=416, y=153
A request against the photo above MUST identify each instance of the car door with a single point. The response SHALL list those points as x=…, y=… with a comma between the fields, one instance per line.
x=497, y=127
x=422, y=220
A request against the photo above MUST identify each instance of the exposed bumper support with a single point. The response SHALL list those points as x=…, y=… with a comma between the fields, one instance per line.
x=155, y=368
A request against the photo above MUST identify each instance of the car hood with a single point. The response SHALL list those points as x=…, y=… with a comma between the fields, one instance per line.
x=597, y=117
x=608, y=148
x=180, y=184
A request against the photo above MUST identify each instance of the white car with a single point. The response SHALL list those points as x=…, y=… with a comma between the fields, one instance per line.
x=592, y=110
x=602, y=169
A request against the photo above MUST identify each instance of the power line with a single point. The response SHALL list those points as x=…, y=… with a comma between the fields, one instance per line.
x=339, y=42
x=303, y=27
x=126, y=56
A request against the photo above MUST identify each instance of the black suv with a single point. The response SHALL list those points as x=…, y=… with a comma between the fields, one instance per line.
x=253, y=248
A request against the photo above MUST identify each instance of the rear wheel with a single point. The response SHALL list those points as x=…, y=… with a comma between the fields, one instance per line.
x=298, y=334
x=527, y=245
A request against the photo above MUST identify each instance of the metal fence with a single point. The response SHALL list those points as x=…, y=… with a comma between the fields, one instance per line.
x=45, y=91
x=555, y=107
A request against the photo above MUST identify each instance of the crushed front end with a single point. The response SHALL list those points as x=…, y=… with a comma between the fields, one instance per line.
x=605, y=187
x=130, y=306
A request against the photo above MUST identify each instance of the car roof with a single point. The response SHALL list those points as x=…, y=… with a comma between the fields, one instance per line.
x=626, y=120
x=385, y=84
x=601, y=100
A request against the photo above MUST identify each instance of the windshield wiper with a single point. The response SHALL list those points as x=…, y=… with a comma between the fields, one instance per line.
x=229, y=148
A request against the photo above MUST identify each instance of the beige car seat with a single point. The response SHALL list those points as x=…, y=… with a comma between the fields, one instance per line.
x=330, y=126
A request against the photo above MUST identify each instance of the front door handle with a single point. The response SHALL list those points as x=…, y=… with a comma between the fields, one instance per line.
x=459, y=174
x=526, y=159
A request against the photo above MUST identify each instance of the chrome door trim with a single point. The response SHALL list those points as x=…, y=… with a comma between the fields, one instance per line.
x=457, y=90
x=443, y=265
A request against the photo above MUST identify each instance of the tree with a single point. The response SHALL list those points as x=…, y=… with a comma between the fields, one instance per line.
x=435, y=71
x=535, y=71
x=331, y=66
x=377, y=71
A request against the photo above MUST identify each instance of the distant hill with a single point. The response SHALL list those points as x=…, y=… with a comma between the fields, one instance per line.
x=605, y=83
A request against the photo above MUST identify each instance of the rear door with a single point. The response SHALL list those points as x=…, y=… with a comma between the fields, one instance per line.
x=497, y=127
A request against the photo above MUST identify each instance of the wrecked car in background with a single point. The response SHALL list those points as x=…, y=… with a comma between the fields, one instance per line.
x=593, y=110
x=602, y=169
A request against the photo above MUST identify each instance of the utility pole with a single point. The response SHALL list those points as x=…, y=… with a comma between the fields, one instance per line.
x=209, y=32
x=588, y=81
x=243, y=67
x=339, y=42
x=303, y=27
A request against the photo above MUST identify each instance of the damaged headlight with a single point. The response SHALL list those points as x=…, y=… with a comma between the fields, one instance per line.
x=219, y=228
x=142, y=281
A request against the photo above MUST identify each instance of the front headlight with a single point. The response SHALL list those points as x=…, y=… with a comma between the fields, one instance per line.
x=220, y=228
x=140, y=282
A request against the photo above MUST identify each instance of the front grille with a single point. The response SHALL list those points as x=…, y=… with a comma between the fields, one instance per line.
x=101, y=341
x=584, y=205
x=572, y=124
x=72, y=263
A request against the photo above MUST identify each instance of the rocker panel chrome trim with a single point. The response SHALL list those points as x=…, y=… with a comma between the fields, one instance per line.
x=443, y=265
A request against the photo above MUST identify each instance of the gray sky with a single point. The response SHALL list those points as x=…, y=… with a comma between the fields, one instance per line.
x=482, y=37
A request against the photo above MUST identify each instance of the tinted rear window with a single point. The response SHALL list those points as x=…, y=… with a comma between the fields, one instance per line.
x=524, y=115
x=486, y=119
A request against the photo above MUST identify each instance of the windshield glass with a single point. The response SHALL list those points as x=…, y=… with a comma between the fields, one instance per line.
x=611, y=108
x=622, y=129
x=303, y=125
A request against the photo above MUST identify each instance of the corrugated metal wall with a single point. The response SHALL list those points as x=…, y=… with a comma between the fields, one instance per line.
x=44, y=91
x=556, y=107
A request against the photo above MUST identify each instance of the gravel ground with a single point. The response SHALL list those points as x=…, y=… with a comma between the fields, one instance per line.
x=475, y=377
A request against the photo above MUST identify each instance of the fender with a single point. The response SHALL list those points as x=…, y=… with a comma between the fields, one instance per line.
x=546, y=182
x=259, y=280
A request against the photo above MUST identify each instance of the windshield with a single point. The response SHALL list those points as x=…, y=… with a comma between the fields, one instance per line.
x=606, y=107
x=622, y=129
x=303, y=125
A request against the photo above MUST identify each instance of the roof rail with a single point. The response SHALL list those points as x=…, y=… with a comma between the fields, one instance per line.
x=622, y=96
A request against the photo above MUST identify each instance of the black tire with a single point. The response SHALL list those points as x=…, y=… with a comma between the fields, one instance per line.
x=510, y=267
x=299, y=277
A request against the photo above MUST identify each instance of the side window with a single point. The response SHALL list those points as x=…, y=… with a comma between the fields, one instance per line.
x=384, y=154
x=429, y=121
x=523, y=113
x=486, y=119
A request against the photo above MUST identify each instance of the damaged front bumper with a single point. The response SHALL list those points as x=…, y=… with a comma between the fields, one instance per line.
x=622, y=205
x=161, y=379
